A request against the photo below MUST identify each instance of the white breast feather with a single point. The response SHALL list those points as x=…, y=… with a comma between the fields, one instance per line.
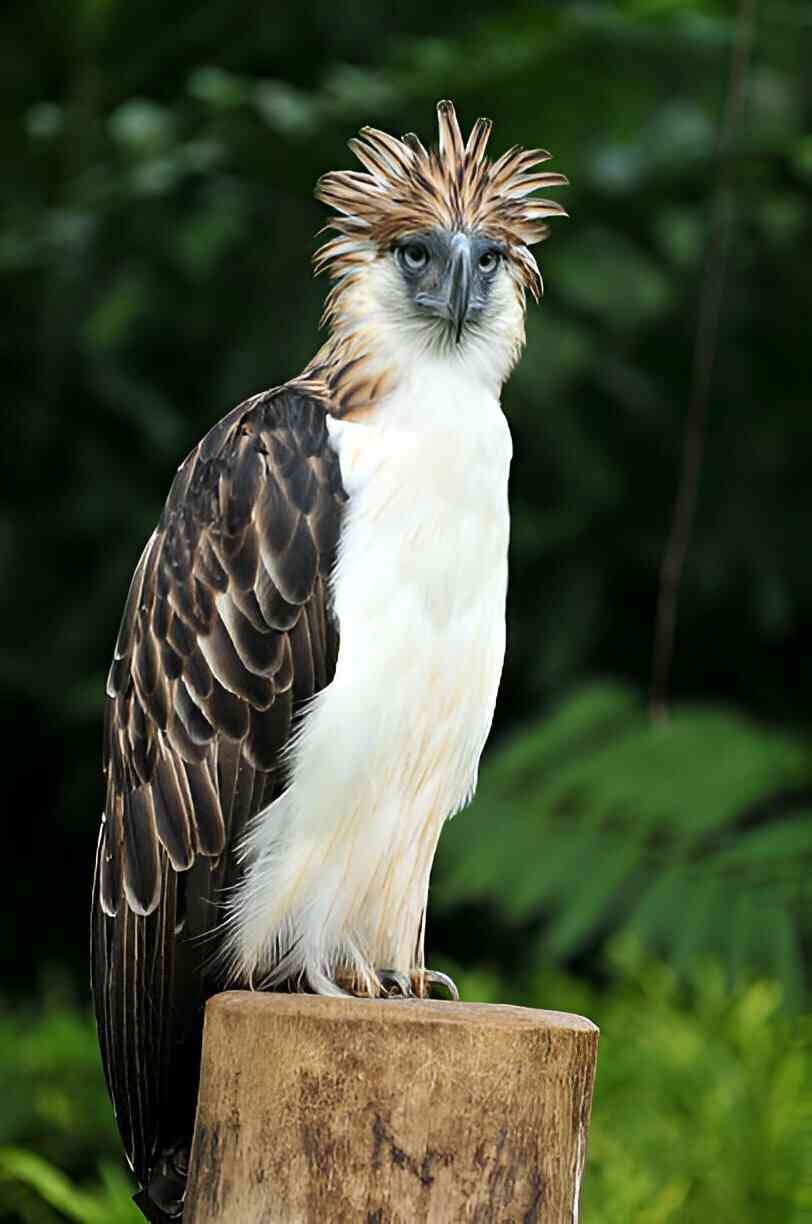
x=339, y=865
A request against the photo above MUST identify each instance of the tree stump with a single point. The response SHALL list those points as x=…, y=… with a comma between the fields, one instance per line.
x=316, y=1109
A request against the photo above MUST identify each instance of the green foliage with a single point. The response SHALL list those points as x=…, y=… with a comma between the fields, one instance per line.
x=30, y=1187
x=55, y=1116
x=51, y=1087
x=703, y=1101
x=685, y=834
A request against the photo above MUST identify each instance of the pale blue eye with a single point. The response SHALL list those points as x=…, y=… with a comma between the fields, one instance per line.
x=413, y=256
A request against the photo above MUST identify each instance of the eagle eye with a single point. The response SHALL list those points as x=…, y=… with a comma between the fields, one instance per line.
x=489, y=261
x=414, y=256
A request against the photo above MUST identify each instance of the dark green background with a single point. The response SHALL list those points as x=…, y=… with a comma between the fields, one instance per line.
x=156, y=221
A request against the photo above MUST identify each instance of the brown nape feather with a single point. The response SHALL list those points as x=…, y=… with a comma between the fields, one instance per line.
x=406, y=188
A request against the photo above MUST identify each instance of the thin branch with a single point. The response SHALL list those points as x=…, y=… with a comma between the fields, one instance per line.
x=707, y=330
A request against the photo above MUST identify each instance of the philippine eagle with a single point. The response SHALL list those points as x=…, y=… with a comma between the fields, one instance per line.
x=310, y=651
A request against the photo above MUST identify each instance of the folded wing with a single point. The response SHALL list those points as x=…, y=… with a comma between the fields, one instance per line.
x=227, y=629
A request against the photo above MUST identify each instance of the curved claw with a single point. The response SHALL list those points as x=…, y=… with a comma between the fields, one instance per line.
x=396, y=985
x=431, y=977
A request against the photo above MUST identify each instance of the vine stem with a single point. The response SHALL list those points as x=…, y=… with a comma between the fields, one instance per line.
x=717, y=242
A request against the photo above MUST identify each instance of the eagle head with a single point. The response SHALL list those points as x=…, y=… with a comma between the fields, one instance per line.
x=435, y=243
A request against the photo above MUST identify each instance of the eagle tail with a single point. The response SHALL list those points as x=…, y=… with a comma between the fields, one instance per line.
x=161, y=1200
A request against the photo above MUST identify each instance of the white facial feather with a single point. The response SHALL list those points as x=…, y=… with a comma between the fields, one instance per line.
x=377, y=310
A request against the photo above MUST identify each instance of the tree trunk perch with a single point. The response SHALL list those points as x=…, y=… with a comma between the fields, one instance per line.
x=316, y=1109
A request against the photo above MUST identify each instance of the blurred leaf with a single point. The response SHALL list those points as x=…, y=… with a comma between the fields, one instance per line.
x=284, y=108
x=142, y=126
x=45, y=121
x=703, y=1099
x=218, y=88
x=606, y=822
x=127, y=299
x=607, y=275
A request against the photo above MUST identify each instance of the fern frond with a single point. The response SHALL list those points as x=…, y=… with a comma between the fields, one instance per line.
x=681, y=833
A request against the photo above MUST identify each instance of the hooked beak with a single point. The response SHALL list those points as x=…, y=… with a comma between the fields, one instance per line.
x=459, y=283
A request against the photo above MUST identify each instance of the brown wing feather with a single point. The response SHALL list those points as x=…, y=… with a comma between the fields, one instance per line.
x=226, y=630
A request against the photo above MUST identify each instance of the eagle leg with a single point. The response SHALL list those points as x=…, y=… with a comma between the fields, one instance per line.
x=395, y=985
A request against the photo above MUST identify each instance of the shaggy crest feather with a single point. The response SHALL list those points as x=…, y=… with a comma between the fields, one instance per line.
x=405, y=187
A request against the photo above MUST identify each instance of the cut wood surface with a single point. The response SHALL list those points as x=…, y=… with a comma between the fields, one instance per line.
x=389, y=1111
